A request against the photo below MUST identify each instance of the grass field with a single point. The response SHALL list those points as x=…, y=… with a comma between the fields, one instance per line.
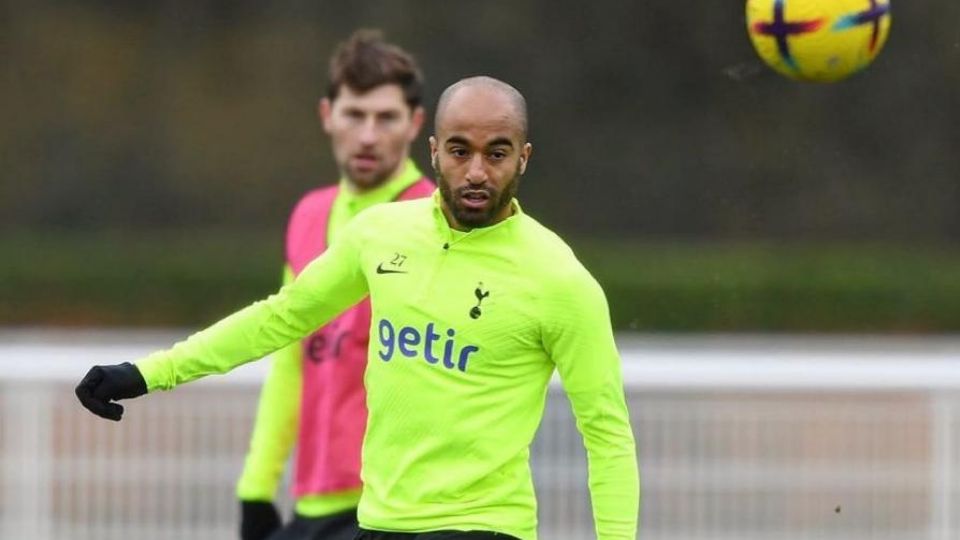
x=190, y=278
x=742, y=287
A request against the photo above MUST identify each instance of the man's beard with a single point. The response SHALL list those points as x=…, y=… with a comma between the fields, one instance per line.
x=469, y=217
x=368, y=180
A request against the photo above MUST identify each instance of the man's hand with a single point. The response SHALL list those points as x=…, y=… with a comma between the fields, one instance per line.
x=104, y=384
x=258, y=519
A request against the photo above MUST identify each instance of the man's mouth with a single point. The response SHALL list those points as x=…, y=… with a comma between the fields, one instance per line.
x=475, y=199
x=365, y=161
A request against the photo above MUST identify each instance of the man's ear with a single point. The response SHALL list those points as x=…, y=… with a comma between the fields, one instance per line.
x=324, y=112
x=525, y=153
x=433, y=152
x=416, y=122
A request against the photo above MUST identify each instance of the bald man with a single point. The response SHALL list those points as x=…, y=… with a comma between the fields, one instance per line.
x=475, y=306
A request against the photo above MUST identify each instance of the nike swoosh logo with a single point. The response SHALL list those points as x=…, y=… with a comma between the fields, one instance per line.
x=382, y=270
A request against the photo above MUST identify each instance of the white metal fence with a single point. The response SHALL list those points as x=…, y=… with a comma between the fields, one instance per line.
x=766, y=438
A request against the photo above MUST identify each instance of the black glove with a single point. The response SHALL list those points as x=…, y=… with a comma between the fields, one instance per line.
x=258, y=519
x=104, y=384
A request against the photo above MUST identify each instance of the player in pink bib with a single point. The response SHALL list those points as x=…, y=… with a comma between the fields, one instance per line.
x=314, y=396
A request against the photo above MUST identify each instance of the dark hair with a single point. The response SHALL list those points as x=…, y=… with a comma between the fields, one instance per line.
x=365, y=61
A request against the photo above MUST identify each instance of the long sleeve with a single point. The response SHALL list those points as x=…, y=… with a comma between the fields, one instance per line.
x=275, y=426
x=579, y=339
x=327, y=286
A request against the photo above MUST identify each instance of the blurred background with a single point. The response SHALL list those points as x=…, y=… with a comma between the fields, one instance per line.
x=151, y=153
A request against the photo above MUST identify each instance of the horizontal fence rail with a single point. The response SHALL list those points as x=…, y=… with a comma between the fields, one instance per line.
x=738, y=438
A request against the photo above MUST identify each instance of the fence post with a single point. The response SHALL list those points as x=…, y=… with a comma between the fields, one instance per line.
x=26, y=450
x=942, y=467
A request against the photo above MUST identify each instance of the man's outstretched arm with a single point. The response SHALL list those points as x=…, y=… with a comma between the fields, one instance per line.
x=330, y=284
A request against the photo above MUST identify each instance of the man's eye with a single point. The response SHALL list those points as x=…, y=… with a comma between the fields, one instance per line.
x=458, y=152
x=498, y=155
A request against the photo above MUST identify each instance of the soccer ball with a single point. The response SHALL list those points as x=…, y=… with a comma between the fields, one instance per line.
x=818, y=40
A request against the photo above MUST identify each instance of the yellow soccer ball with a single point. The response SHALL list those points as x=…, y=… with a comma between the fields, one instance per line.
x=818, y=40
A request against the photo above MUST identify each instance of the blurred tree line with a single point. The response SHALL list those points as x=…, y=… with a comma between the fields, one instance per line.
x=653, y=123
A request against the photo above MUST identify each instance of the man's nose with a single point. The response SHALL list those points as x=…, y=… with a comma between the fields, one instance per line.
x=368, y=132
x=476, y=172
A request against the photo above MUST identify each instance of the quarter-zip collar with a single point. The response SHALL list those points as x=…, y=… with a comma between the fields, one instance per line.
x=452, y=236
x=354, y=202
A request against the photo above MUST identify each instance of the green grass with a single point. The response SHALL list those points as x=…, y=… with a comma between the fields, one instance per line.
x=736, y=287
x=134, y=279
x=191, y=278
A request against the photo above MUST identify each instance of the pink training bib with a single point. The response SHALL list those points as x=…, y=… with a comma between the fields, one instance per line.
x=333, y=412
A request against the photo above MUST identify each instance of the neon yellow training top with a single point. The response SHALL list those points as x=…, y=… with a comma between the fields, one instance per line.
x=467, y=330
x=278, y=411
